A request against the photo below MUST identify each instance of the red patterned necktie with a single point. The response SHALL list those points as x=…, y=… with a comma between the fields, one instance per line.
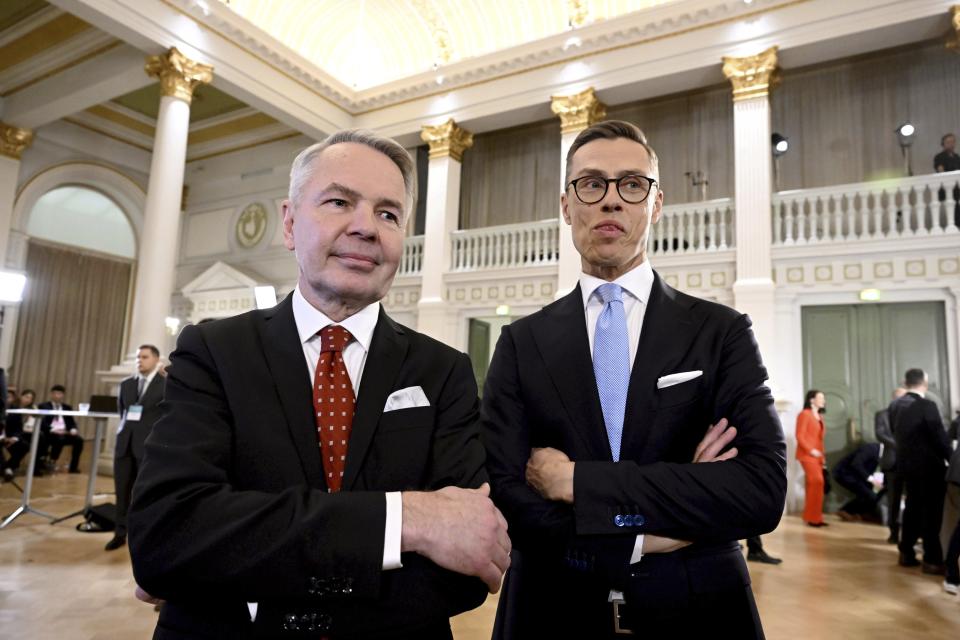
x=334, y=403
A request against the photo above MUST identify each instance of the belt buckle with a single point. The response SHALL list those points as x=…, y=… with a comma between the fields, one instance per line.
x=617, y=629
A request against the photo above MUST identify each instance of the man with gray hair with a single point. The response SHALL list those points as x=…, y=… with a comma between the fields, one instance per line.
x=317, y=471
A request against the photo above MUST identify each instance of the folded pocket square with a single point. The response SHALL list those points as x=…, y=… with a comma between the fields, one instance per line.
x=406, y=399
x=676, y=378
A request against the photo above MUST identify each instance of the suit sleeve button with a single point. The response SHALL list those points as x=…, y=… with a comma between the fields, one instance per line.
x=618, y=520
x=639, y=521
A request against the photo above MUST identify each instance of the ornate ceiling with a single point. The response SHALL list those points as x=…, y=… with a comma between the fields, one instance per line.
x=366, y=43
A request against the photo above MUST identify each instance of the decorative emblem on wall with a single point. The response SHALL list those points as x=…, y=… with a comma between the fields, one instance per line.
x=251, y=225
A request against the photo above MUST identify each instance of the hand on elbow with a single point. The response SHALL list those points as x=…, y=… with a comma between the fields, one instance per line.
x=550, y=473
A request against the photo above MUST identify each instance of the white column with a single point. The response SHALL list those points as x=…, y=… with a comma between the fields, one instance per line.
x=576, y=112
x=753, y=290
x=13, y=141
x=447, y=144
x=158, y=248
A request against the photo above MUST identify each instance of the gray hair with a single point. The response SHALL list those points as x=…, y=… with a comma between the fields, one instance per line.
x=302, y=165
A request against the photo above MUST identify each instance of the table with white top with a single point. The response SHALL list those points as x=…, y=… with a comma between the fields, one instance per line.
x=100, y=422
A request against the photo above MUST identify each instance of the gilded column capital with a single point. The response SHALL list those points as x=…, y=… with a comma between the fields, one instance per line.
x=179, y=75
x=752, y=76
x=447, y=139
x=579, y=111
x=14, y=141
x=953, y=41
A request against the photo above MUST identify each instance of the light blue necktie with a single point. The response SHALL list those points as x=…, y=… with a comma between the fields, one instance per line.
x=611, y=362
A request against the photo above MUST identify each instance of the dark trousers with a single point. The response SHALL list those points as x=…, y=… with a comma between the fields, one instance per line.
x=893, y=484
x=922, y=515
x=865, y=500
x=17, y=452
x=754, y=544
x=58, y=442
x=125, y=469
x=953, y=546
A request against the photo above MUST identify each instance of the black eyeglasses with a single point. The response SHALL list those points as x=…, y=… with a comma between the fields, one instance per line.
x=634, y=189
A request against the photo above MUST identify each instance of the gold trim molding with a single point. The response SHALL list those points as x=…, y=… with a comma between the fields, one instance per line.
x=14, y=141
x=179, y=75
x=953, y=40
x=579, y=111
x=752, y=76
x=447, y=139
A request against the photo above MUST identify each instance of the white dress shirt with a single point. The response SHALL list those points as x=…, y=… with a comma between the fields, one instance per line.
x=636, y=285
x=310, y=321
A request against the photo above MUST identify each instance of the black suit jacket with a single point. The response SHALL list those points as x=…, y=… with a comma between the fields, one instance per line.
x=46, y=422
x=231, y=506
x=131, y=439
x=884, y=433
x=540, y=391
x=922, y=445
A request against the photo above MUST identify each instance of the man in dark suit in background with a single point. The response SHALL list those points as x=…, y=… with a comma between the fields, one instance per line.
x=892, y=480
x=922, y=454
x=305, y=477
x=61, y=431
x=139, y=407
x=593, y=408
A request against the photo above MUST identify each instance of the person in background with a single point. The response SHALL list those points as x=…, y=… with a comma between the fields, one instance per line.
x=756, y=552
x=12, y=439
x=922, y=450
x=61, y=430
x=853, y=473
x=810, y=432
x=892, y=480
x=950, y=531
x=948, y=160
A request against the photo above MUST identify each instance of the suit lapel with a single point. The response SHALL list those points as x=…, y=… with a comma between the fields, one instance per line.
x=565, y=348
x=284, y=355
x=667, y=332
x=388, y=349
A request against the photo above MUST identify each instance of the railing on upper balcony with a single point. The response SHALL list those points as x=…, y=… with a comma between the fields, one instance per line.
x=694, y=227
x=508, y=246
x=411, y=262
x=900, y=208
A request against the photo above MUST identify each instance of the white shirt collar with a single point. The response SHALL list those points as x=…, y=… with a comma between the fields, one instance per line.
x=311, y=320
x=150, y=376
x=638, y=282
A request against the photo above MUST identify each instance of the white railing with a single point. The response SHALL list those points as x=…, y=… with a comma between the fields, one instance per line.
x=694, y=227
x=411, y=263
x=900, y=208
x=507, y=246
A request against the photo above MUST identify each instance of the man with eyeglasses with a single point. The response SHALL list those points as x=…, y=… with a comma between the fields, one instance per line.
x=595, y=410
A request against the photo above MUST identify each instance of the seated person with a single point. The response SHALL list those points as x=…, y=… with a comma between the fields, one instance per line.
x=61, y=430
x=853, y=473
x=14, y=443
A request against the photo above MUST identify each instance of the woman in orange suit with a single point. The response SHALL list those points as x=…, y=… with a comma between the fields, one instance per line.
x=810, y=455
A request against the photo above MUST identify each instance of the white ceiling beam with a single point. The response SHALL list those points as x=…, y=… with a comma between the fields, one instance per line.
x=89, y=83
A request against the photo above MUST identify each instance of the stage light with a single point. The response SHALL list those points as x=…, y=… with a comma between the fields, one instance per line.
x=780, y=144
x=11, y=286
x=906, y=134
x=266, y=296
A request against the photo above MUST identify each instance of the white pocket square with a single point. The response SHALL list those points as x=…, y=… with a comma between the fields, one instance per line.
x=406, y=399
x=676, y=378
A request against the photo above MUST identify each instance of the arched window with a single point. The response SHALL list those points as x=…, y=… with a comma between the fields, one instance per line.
x=82, y=217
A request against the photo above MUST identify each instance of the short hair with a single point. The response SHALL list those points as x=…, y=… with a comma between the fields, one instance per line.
x=945, y=136
x=914, y=377
x=301, y=168
x=58, y=387
x=611, y=130
x=30, y=391
x=810, y=396
x=152, y=349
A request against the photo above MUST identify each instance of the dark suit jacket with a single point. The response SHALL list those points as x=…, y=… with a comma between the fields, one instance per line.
x=46, y=422
x=884, y=434
x=922, y=445
x=540, y=391
x=131, y=439
x=231, y=506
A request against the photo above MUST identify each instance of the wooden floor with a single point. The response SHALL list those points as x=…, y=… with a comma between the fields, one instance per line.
x=839, y=582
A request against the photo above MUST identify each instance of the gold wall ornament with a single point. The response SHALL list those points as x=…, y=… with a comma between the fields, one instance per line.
x=179, y=75
x=579, y=111
x=447, y=139
x=953, y=41
x=251, y=225
x=14, y=141
x=578, y=13
x=752, y=76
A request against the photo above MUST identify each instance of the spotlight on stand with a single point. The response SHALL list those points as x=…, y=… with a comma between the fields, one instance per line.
x=779, y=145
x=906, y=134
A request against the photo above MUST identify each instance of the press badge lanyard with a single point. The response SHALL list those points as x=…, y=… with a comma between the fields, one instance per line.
x=135, y=411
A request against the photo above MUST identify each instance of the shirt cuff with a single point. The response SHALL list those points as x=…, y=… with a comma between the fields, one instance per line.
x=393, y=531
x=637, y=550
